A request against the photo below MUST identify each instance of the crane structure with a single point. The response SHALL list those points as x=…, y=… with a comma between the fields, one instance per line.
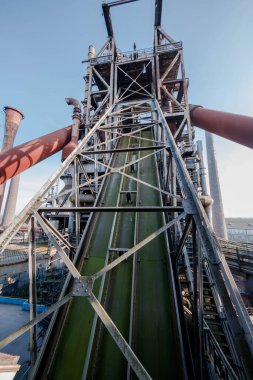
x=149, y=293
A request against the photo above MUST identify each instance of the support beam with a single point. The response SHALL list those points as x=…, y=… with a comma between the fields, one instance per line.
x=20, y=331
x=111, y=209
x=32, y=289
x=132, y=359
x=102, y=151
x=137, y=247
x=158, y=12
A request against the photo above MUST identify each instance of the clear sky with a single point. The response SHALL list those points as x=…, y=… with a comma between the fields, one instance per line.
x=44, y=42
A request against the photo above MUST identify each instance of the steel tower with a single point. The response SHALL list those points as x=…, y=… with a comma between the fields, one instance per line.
x=148, y=291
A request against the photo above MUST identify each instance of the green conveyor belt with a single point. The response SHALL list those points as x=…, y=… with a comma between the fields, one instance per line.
x=153, y=337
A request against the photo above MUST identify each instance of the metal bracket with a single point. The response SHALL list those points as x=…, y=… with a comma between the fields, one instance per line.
x=83, y=287
x=188, y=207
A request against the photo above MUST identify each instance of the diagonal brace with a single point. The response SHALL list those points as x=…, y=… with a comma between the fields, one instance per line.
x=138, y=246
x=71, y=267
x=119, y=340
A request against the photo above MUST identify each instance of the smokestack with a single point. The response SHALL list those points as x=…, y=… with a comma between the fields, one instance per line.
x=218, y=220
x=11, y=202
x=13, y=119
x=202, y=172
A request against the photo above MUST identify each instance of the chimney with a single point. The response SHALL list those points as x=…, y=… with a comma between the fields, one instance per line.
x=218, y=220
x=11, y=202
x=13, y=119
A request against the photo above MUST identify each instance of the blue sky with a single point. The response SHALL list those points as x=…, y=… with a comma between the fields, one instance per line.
x=44, y=42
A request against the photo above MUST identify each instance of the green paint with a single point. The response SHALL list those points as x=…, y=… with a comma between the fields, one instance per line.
x=153, y=338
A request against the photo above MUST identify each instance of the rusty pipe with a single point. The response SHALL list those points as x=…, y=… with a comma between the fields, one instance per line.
x=13, y=118
x=231, y=126
x=22, y=157
x=75, y=127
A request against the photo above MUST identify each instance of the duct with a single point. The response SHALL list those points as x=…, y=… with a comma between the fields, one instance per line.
x=13, y=118
x=22, y=157
x=83, y=198
x=68, y=149
x=218, y=220
x=233, y=127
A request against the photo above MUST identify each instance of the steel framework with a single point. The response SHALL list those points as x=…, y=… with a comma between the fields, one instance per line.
x=137, y=138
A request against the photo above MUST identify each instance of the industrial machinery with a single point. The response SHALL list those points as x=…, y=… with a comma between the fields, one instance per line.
x=149, y=293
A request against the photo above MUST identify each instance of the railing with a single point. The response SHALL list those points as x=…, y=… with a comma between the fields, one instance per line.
x=102, y=59
x=146, y=53
x=18, y=253
x=238, y=254
x=137, y=54
x=217, y=363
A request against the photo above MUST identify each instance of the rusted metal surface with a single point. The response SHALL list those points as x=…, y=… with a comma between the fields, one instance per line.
x=75, y=127
x=13, y=118
x=22, y=157
x=237, y=128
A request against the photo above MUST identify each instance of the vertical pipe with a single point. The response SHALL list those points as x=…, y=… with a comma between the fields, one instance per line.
x=202, y=173
x=32, y=288
x=11, y=201
x=77, y=214
x=96, y=164
x=13, y=119
x=111, y=98
x=174, y=199
x=218, y=219
x=88, y=85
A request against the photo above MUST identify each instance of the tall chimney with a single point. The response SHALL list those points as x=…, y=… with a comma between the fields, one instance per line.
x=13, y=119
x=11, y=202
x=218, y=220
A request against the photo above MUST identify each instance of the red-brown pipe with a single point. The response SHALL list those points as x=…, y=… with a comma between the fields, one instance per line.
x=22, y=157
x=233, y=127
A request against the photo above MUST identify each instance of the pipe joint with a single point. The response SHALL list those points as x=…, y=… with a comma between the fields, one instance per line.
x=76, y=113
x=73, y=102
x=192, y=107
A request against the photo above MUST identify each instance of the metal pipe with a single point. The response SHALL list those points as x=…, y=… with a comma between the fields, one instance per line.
x=22, y=157
x=218, y=220
x=13, y=118
x=233, y=127
x=206, y=200
x=75, y=127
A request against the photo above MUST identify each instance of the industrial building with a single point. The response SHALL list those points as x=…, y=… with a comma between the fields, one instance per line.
x=240, y=229
x=130, y=270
